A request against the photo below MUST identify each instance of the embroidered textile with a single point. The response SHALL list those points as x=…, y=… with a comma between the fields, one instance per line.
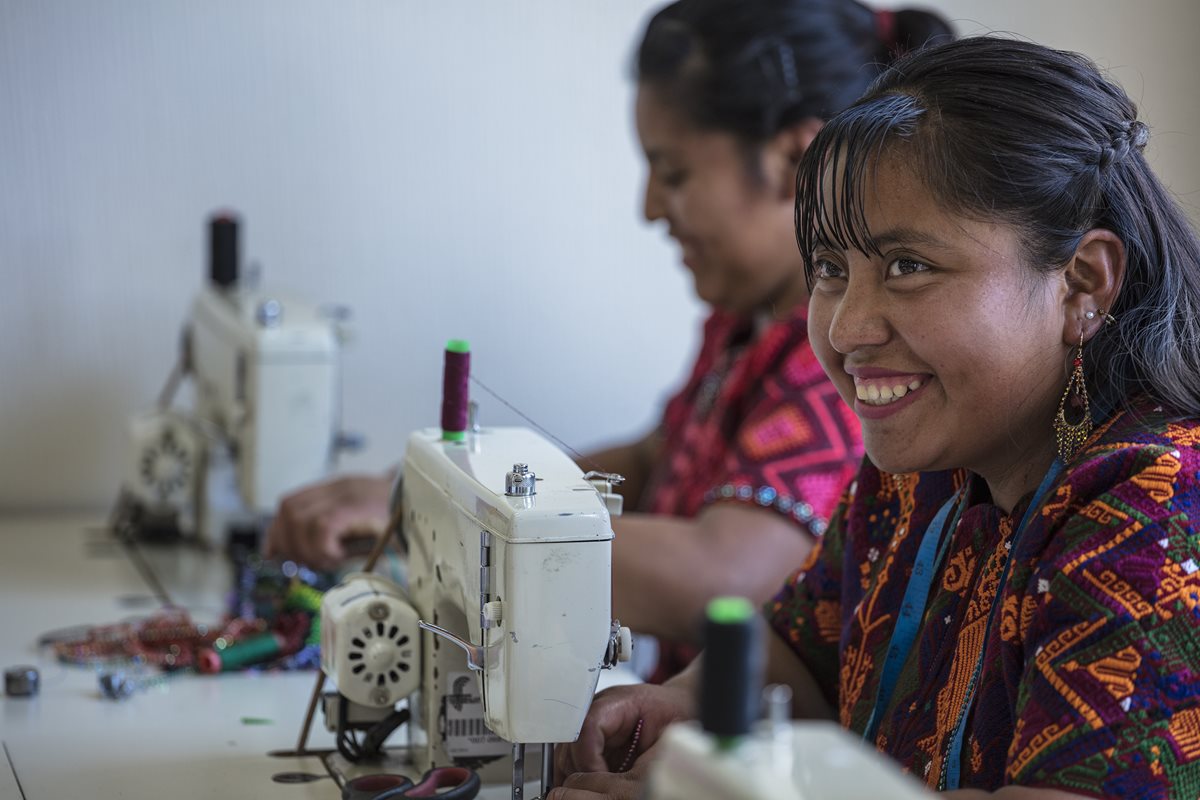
x=1090, y=679
x=757, y=423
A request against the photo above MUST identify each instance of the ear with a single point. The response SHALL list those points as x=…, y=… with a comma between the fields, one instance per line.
x=1093, y=277
x=785, y=151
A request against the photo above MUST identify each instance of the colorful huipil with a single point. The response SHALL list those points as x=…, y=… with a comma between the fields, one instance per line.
x=1090, y=681
x=759, y=423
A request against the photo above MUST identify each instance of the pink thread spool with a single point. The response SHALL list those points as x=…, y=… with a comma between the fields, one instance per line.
x=456, y=377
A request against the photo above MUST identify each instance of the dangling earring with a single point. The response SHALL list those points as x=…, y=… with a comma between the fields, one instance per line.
x=1071, y=435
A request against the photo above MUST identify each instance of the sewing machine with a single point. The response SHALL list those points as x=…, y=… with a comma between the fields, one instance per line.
x=265, y=416
x=781, y=760
x=506, y=623
x=731, y=754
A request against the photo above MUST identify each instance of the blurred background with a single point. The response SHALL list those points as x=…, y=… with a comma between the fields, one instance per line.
x=445, y=170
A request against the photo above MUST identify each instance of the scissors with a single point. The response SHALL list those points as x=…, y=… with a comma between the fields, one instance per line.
x=463, y=784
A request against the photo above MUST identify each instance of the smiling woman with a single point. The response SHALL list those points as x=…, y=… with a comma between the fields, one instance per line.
x=1008, y=598
x=1017, y=271
x=942, y=339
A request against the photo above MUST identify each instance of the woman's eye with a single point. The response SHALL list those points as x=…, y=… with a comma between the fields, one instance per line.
x=905, y=266
x=674, y=179
x=825, y=269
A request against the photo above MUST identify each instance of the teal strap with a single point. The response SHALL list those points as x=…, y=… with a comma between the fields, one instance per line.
x=912, y=608
x=953, y=767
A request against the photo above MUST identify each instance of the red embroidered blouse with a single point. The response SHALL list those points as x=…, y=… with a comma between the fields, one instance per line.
x=757, y=423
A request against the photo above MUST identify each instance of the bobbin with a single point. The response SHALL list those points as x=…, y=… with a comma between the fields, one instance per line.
x=22, y=681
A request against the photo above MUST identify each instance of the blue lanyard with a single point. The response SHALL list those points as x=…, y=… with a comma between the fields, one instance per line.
x=912, y=611
x=912, y=607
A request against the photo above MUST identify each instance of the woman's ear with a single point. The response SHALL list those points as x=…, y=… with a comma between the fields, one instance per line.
x=1093, y=276
x=785, y=151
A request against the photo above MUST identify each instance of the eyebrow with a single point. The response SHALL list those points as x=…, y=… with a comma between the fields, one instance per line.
x=910, y=236
x=889, y=238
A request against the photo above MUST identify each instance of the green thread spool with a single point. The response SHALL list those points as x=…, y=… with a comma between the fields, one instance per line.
x=254, y=650
x=303, y=597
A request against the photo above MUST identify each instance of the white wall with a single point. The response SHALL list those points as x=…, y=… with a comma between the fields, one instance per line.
x=447, y=170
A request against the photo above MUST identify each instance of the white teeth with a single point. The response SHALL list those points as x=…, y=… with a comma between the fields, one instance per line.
x=881, y=394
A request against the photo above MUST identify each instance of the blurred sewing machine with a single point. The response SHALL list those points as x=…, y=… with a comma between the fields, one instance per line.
x=731, y=754
x=781, y=760
x=265, y=413
x=506, y=623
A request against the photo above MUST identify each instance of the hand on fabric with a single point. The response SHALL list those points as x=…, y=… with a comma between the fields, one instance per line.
x=588, y=767
x=317, y=524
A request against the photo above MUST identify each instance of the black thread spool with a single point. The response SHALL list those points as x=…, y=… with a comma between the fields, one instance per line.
x=223, y=249
x=732, y=670
x=22, y=681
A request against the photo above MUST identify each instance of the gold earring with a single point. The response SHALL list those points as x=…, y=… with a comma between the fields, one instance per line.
x=1070, y=436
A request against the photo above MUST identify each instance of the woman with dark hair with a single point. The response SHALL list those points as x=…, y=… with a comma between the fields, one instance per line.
x=753, y=453
x=1008, y=598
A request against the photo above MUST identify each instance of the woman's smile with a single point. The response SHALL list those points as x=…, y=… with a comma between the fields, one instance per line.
x=876, y=398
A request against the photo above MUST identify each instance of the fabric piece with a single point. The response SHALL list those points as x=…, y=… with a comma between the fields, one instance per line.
x=1091, y=676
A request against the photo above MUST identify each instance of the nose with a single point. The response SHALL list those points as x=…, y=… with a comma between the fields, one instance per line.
x=860, y=319
x=653, y=206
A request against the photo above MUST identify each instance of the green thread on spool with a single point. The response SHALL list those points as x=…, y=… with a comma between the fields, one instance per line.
x=458, y=346
x=730, y=610
x=303, y=597
x=263, y=647
x=314, y=632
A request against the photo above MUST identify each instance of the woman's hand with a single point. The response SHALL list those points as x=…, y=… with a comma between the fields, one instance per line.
x=315, y=524
x=623, y=724
x=606, y=785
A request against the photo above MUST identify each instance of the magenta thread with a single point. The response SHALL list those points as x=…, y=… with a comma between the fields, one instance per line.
x=631, y=754
x=456, y=375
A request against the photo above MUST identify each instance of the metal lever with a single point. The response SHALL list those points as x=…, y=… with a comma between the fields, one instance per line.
x=605, y=483
x=607, y=477
x=475, y=653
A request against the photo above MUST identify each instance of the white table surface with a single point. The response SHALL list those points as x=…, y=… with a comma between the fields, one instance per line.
x=190, y=736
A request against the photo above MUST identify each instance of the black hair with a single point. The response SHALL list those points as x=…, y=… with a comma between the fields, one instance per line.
x=752, y=68
x=1014, y=132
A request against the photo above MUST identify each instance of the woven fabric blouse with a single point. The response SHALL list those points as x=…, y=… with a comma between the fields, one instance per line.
x=1090, y=681
x=758, y=423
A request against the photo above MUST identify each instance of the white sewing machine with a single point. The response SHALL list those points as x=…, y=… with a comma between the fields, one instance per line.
x=731, y=754
x=779, y=761
x=509, y=575
x=265, y=416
